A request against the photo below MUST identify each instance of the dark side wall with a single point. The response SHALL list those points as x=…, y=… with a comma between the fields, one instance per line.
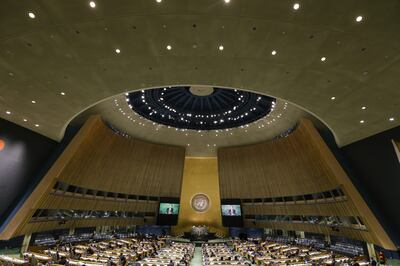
x=21, y=158
x=377, y=168
x=24, y=160
x=374, y=169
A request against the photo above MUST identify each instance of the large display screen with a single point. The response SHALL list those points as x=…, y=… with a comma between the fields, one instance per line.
x=169, y=208
x=231, y=210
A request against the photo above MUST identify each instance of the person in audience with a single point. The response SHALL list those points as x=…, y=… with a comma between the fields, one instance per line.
x=171, y=263
x=63, y=261
x=182, y=262
x=33, y=261
x=57, y=256
x=110, y=262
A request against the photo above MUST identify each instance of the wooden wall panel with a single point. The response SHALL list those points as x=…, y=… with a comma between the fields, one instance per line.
x=54, y=225
x=325, y=209
x=70, y=203
x=287, y=166
x=346, y=232
x=109, y=162
x=99, y=159
x=296, y=165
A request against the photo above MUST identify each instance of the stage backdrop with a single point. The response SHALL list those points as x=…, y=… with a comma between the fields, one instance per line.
x=200, y=197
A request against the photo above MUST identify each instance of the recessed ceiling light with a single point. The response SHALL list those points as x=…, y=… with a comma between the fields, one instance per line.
x=323, y=59
x=25, y=120
x=33, y=101
x=363, y=107
x=273, y=52
x=117, y=51
x=296, y=6
x=333, y=98
x=158, y=1
x=62, y=93
x=36, y=125
x=359, y=18
x=362, y=121
x=92, y=4
x=227, y=1
x=169, y=47
x=31, y=15
x=221, y=47
x=8, y=112
x=391, y=119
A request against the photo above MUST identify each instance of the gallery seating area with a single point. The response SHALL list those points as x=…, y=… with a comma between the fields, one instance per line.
x=175, y=253
x=147, y=250
x=116, y=251
x=221, y=254
x=273, y=253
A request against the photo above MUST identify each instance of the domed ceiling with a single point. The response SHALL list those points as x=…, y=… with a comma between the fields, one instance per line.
x=200, y=107
x=339, y=60
x=213, y=117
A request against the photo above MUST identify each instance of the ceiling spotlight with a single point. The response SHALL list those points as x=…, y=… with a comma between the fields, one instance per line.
x=158, y=1
x=169, y=47
x=33, y=101
x=391, y=119
x=221, y=47
x=333, y=98
x=296, y=6
x=62, y=93
x=31, y=15
x=362, y=121
x=117, y=51
x=323, y=59
x=25, y=120
x=36, y=125
x=227, y=1
x=8, y=112
x=363, y=107
x=92, y=4
x=273, y=52
x=359, y=18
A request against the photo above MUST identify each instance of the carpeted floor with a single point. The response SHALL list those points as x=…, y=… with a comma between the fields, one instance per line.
x=197, y=259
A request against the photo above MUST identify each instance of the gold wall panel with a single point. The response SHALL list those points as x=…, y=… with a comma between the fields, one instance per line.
x=200, y=176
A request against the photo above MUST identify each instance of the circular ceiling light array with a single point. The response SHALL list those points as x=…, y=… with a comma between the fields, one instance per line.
x=269, y=120
x=179, y=108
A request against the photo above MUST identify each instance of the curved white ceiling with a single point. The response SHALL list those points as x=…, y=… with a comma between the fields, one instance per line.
x=198, y=143
x=70, y=47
